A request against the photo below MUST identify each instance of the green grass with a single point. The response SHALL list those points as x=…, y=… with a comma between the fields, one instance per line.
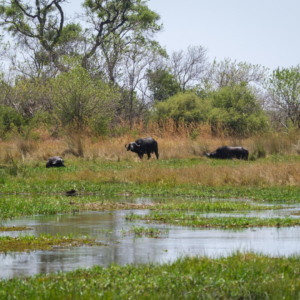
x=192, y=220
x=239, y=276
x=34, y=178
x=12, y=206
x=213, y=206
x=42, y=242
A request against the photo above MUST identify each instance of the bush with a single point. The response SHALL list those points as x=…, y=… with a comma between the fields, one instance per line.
x=10, y=119
x=78, y=97
x=183, y=107
x=237, y=110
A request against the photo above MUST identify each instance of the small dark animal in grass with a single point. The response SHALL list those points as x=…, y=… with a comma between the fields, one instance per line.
x=55, y=162
x=227, y=152
x=144, y=146
x=71, y=192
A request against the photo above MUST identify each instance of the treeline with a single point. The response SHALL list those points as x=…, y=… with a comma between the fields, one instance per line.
x=108, y=70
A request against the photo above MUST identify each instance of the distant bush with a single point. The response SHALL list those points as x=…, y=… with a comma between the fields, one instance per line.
x=183, y=107
x=10, y=119
x=237, y=110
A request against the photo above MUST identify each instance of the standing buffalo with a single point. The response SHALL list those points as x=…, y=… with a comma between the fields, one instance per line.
x=142, y=146
x=227, y=152
x=55, y=161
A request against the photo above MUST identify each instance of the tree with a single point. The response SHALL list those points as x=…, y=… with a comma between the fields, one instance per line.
x=162, y=84
x=134, y=67
x=78, y=97
x=44, y=21
x=188, y=68
x=284, y=90
x=232, y=73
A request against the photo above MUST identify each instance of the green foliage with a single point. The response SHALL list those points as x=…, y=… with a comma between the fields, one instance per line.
x=9, y=119
x=284, y=87
x=100, y=126
x=237, y=110
x=162, y=84
x=78, y=97
x=183, y=107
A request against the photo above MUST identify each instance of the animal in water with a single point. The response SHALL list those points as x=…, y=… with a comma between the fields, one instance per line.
x=144, y=146
x=55, y=162
x=227, y=152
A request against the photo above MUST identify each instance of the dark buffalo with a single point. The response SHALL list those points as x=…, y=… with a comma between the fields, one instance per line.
x=55, y=162
x=227, y=152
x=142, y=146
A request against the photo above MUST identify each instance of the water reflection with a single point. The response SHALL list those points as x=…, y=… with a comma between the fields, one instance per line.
x=129, y=250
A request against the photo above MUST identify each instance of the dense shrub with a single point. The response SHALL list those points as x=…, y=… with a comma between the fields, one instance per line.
x=237, y=109
x=183, y=107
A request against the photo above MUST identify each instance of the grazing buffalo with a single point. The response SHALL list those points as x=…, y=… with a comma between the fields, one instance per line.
x=142, y=146
x=55, y=161
x=227, y=152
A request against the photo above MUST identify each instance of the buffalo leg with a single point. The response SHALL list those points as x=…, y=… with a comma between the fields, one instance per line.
x=157, y=155
x=149, y=155
x=141, y=155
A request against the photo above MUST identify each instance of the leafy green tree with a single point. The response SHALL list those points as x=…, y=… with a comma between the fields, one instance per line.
x=284, y=89
x=44, y=21
x=237, y=109
x=183, y=107
x=162, y=84
x=79, y=97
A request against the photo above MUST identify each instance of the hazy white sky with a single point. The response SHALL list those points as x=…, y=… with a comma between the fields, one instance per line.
x=262, y=32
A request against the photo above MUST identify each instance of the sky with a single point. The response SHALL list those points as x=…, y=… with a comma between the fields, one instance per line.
x=264, y=32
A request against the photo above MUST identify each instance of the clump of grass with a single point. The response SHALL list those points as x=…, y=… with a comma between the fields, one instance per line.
x=42, y=242
x=16, y=206
x=213, y=206
x=239, y=276
x=14, y=228
x=140, y=231
x=182, y=219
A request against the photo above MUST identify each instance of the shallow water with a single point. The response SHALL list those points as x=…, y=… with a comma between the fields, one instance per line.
x=120, y=249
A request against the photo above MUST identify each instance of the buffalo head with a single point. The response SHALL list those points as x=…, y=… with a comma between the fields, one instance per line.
x=132, y=146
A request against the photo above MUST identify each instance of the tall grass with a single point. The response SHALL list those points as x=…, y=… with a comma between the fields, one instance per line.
x=174, y=140
x=181, y=148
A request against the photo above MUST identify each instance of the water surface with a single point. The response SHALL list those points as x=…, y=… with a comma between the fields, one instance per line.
x=123, y=249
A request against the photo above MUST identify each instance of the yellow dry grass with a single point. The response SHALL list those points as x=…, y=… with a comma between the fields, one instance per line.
x=174, y=143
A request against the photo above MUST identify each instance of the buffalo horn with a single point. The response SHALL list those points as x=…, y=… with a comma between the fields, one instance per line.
x=137, y=144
